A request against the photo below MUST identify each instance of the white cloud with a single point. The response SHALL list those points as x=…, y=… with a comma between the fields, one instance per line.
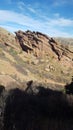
x=31, y=9
x=18, y=18
x=54, y=32
x=61, y=22
x=57, y=15
x=21, y=5
x=21, y=21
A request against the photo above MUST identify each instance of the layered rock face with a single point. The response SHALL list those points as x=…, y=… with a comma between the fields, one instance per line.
x=42, y=45
x=35, y=42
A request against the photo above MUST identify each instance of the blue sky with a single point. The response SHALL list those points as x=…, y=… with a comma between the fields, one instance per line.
x=52, y=17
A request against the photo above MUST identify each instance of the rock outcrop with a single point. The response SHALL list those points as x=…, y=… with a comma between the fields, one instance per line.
x=41, y=45
x=34, y=56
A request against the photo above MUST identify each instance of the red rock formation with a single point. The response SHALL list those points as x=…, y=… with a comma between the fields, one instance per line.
x=41, y=45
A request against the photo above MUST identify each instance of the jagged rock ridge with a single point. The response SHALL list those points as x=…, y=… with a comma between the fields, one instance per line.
x=40, y=44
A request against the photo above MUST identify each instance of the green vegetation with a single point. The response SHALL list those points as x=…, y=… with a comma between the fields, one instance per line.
x=13, y=52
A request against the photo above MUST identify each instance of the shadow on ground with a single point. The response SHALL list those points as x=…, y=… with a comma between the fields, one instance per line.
x=69, y=88
x=35, y=109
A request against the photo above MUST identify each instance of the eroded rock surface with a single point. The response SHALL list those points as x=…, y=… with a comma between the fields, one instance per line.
x=40, y=44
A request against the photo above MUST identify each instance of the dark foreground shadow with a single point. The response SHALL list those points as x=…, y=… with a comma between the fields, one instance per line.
x=69, y=88
x=37, y=109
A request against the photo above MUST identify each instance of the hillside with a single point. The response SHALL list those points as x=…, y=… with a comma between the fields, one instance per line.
x=34, y=56
x=68, y=42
